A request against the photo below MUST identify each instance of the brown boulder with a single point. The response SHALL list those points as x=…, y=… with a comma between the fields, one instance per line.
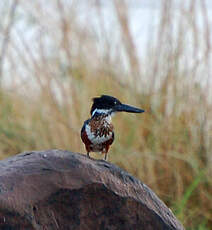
x=57, y=189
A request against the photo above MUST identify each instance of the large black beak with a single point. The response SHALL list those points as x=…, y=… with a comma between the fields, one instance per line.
x=127, y=108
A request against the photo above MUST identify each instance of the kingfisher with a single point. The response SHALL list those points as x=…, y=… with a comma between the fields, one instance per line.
x=97, y=132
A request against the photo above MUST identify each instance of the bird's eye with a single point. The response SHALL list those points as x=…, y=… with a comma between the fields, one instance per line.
x=115, y=102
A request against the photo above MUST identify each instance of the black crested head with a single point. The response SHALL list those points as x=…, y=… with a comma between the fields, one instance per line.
x=108, y=104
x=104, y=102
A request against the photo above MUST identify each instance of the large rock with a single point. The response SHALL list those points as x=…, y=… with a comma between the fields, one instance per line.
x=58, y=189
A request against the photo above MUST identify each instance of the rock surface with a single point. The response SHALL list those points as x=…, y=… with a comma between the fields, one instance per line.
x=57, y=189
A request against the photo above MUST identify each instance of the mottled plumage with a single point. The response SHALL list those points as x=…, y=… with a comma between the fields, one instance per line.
x=97, y=134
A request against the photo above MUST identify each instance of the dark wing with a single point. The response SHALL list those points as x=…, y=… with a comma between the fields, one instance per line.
x=83, y=127
x=112, y=139
x=84, y=136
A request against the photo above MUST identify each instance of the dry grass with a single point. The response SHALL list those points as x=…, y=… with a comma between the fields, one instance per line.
x=53, y=74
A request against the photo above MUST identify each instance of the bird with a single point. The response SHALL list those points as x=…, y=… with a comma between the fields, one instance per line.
x=97, y=133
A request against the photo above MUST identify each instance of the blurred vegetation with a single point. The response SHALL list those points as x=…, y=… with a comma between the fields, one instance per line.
x=49, y=77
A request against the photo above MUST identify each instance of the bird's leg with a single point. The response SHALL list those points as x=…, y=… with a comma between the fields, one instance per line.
x=105, y=158
x=88, y=154
x=88, y=149
x=106, y=151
